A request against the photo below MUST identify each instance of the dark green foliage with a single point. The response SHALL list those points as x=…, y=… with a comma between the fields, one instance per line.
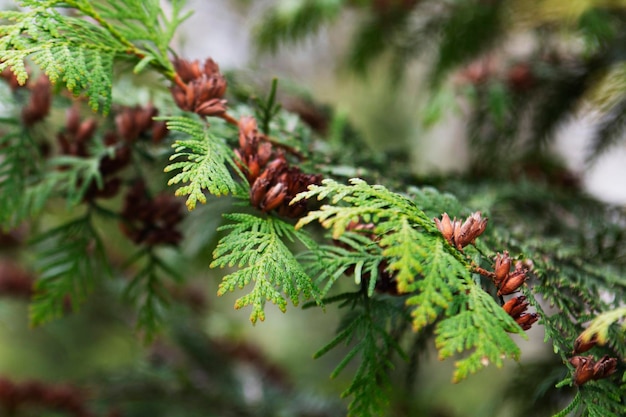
x=373, y=37
x=268, y=109
x=382, y=258
x=18, y=166
x=27, y=191
x=559, y=97
x=69, y=259
x=146, y=290
x=369, y=329
x=471, y=28
x=457, y=35
x=295, y=20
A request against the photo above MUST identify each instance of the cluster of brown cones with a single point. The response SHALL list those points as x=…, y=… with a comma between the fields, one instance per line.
x=151, y=221
x=586, y=368
x=273, y=182
x=132, y=124
x=460, y=234
x=508, y=281
x=516, y=307
x=519, y=77
x=200, y=88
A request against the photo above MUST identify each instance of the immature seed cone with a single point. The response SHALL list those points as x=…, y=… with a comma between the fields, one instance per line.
x=526, y=320
x=254, y=150
x=446, y=227
x=520, y=77
x=513, y=281
x=273, y=182
x=74, y=139
x=460, y=234
x=581, y=346
x=516, y=306
x=502, y=267
x=587, y=369
x=204, y=87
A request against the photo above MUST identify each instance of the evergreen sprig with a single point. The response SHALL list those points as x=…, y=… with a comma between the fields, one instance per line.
x=439, y=285
x=367, y=328
x=410, y=242
x=69, y=258
x=356, y=254
x=596, y=399
x=145, y=24
x=478, y=324
x=294, y=20
x=26, y=189
x=206, y=163
x=81, y=52
x=147, y=292
x=19, y=159
x=426, y=267
x=68, y=49
x=257, y=246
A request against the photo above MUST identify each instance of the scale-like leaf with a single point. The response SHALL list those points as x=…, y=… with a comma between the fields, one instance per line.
x=205, y=165
x=476, y=323
x=257, y=246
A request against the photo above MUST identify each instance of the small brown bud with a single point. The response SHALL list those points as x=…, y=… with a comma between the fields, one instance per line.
x=445, y=227
x=258, y=190
x=502, y=266
x=212, y=107
x=274, y=197
x=526, y=320
x=513, y=281
x=159, y=132
x=86, y=130
x=516, y=306
x=604, y=367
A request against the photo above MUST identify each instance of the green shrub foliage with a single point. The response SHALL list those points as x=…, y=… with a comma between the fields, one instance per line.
x=382, y=249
